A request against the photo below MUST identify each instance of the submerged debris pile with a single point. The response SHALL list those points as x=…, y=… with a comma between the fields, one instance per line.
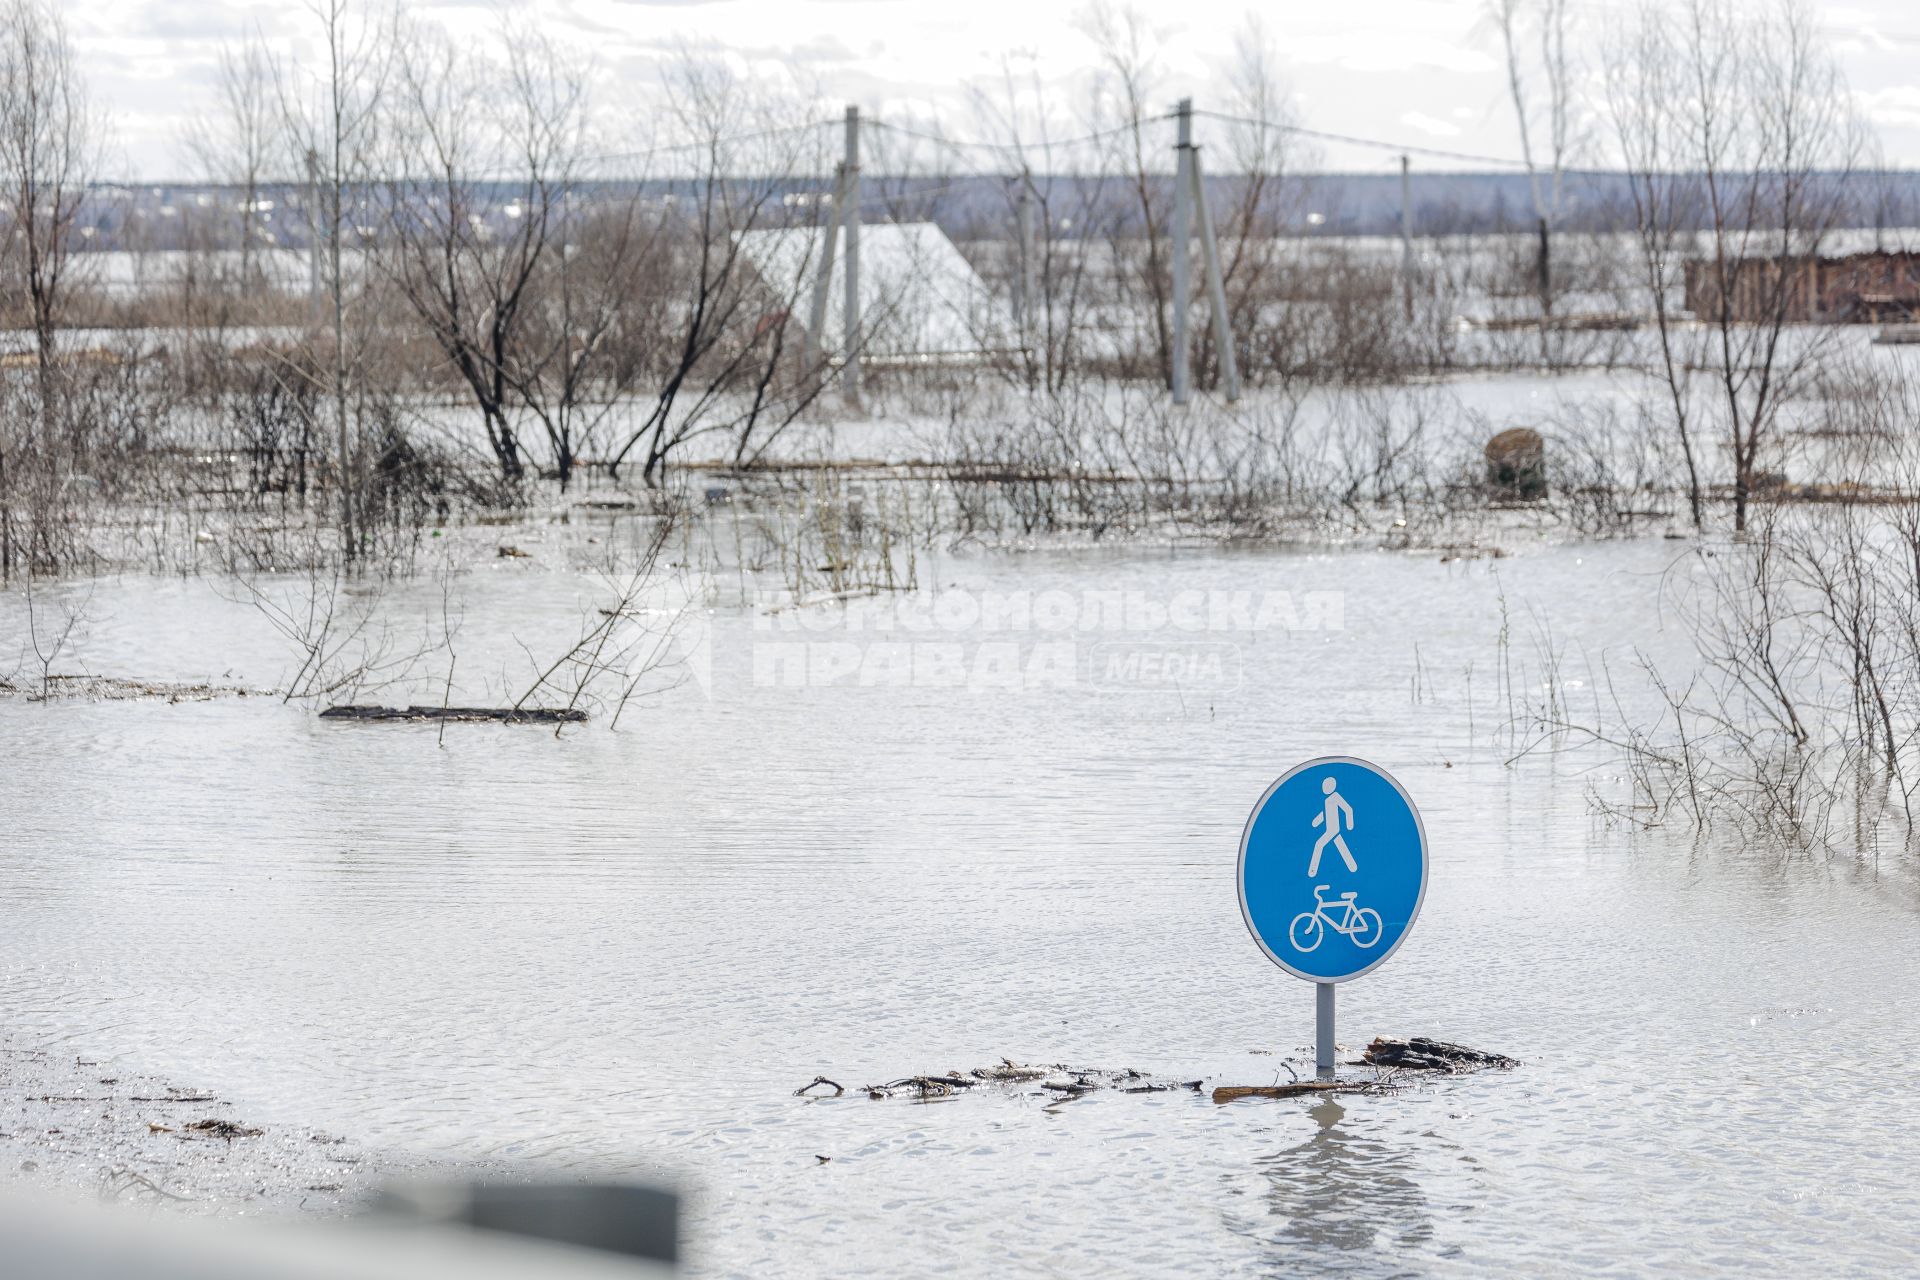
x=80, y=1125
x=222, y=1129
x=1059, y=1081
x=118, y=689
x=1422, y=1054
x=1063, y=1083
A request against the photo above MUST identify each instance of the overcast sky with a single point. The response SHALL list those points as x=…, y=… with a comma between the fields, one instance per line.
x=1414, y=71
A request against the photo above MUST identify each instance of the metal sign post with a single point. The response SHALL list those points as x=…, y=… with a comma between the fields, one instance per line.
x=1333, y=869
x=1323, y=1029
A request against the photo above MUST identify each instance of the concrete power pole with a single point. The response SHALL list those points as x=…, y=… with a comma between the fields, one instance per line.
x=1406, y=233
x=1027, y=299
x=1182, y=244
x=1189, y=203
x=850, y=220
x=1216, y=283
x=313, y=232
x=823, y=282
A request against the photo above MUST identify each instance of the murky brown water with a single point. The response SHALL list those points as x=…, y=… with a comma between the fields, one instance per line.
x=623, y=951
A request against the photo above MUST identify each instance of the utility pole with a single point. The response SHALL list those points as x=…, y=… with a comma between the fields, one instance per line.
x=1182, y=243
x=1027, y=289
x=1546, y=270
x=850, y=219
x=817, y=313
x=1216, y=284
x=1190, y=202
x=1406, y=232
x=313, y=232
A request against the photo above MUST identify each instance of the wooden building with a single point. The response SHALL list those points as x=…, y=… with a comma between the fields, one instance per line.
x=1876, y=287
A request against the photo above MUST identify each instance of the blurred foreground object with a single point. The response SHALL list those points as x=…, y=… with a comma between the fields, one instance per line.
x=640, y=1222
x=605, y=1232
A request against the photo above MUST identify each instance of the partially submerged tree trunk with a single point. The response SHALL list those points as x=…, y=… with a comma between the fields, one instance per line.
x=1298, y=1089
x=510, y=715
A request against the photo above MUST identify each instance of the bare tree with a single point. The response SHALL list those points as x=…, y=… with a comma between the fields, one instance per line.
x=49, y=146
x=1541, y=83
x=240, y=144
x=475, y=205
x=1644, y=75
x=1262, y=153
x=1743, y=126
x=1774, y=176
x=570, y=372
x=1058, y=198
x=1130, y=80
x=332, y=116
x=725, y=323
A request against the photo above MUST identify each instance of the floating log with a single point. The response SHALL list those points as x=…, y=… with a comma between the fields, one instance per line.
x=1422, y=1054
x=511, y=715
x=1298, y=1089
x=1579, y=322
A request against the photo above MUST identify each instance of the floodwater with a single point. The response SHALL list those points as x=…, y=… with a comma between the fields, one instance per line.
x=621, y=952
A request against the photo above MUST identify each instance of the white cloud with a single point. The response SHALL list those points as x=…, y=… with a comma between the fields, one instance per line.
x=1392, y=69
x=1897, y=106
x=1432, y=126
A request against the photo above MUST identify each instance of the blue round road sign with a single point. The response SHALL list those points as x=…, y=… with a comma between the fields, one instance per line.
x=1333, y=868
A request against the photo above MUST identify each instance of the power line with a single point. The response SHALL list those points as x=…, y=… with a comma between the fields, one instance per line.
x=1022, y=149
x=1279, y=126
x=707, y=143
x=1398, y=148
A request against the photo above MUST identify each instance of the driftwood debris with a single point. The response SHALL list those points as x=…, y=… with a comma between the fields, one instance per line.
x=817, y=1081
x=138, y=1097
x=923, y=1086
x=506, y=715
x=1422, y=1054
x=227, y=1129
x=1059, y=1082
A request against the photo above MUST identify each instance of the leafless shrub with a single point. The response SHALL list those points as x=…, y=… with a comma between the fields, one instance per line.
x=829, y=534
x=1607, y=467
x=1119, y=460
x=1800, y=716
x=51, y=624
x=346, y=644
x=625, y=647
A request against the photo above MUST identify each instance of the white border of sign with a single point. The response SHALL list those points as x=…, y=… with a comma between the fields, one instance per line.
x=1240, y=871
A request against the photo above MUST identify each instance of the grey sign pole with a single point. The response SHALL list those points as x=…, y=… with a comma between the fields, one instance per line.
x=1323, y=1029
